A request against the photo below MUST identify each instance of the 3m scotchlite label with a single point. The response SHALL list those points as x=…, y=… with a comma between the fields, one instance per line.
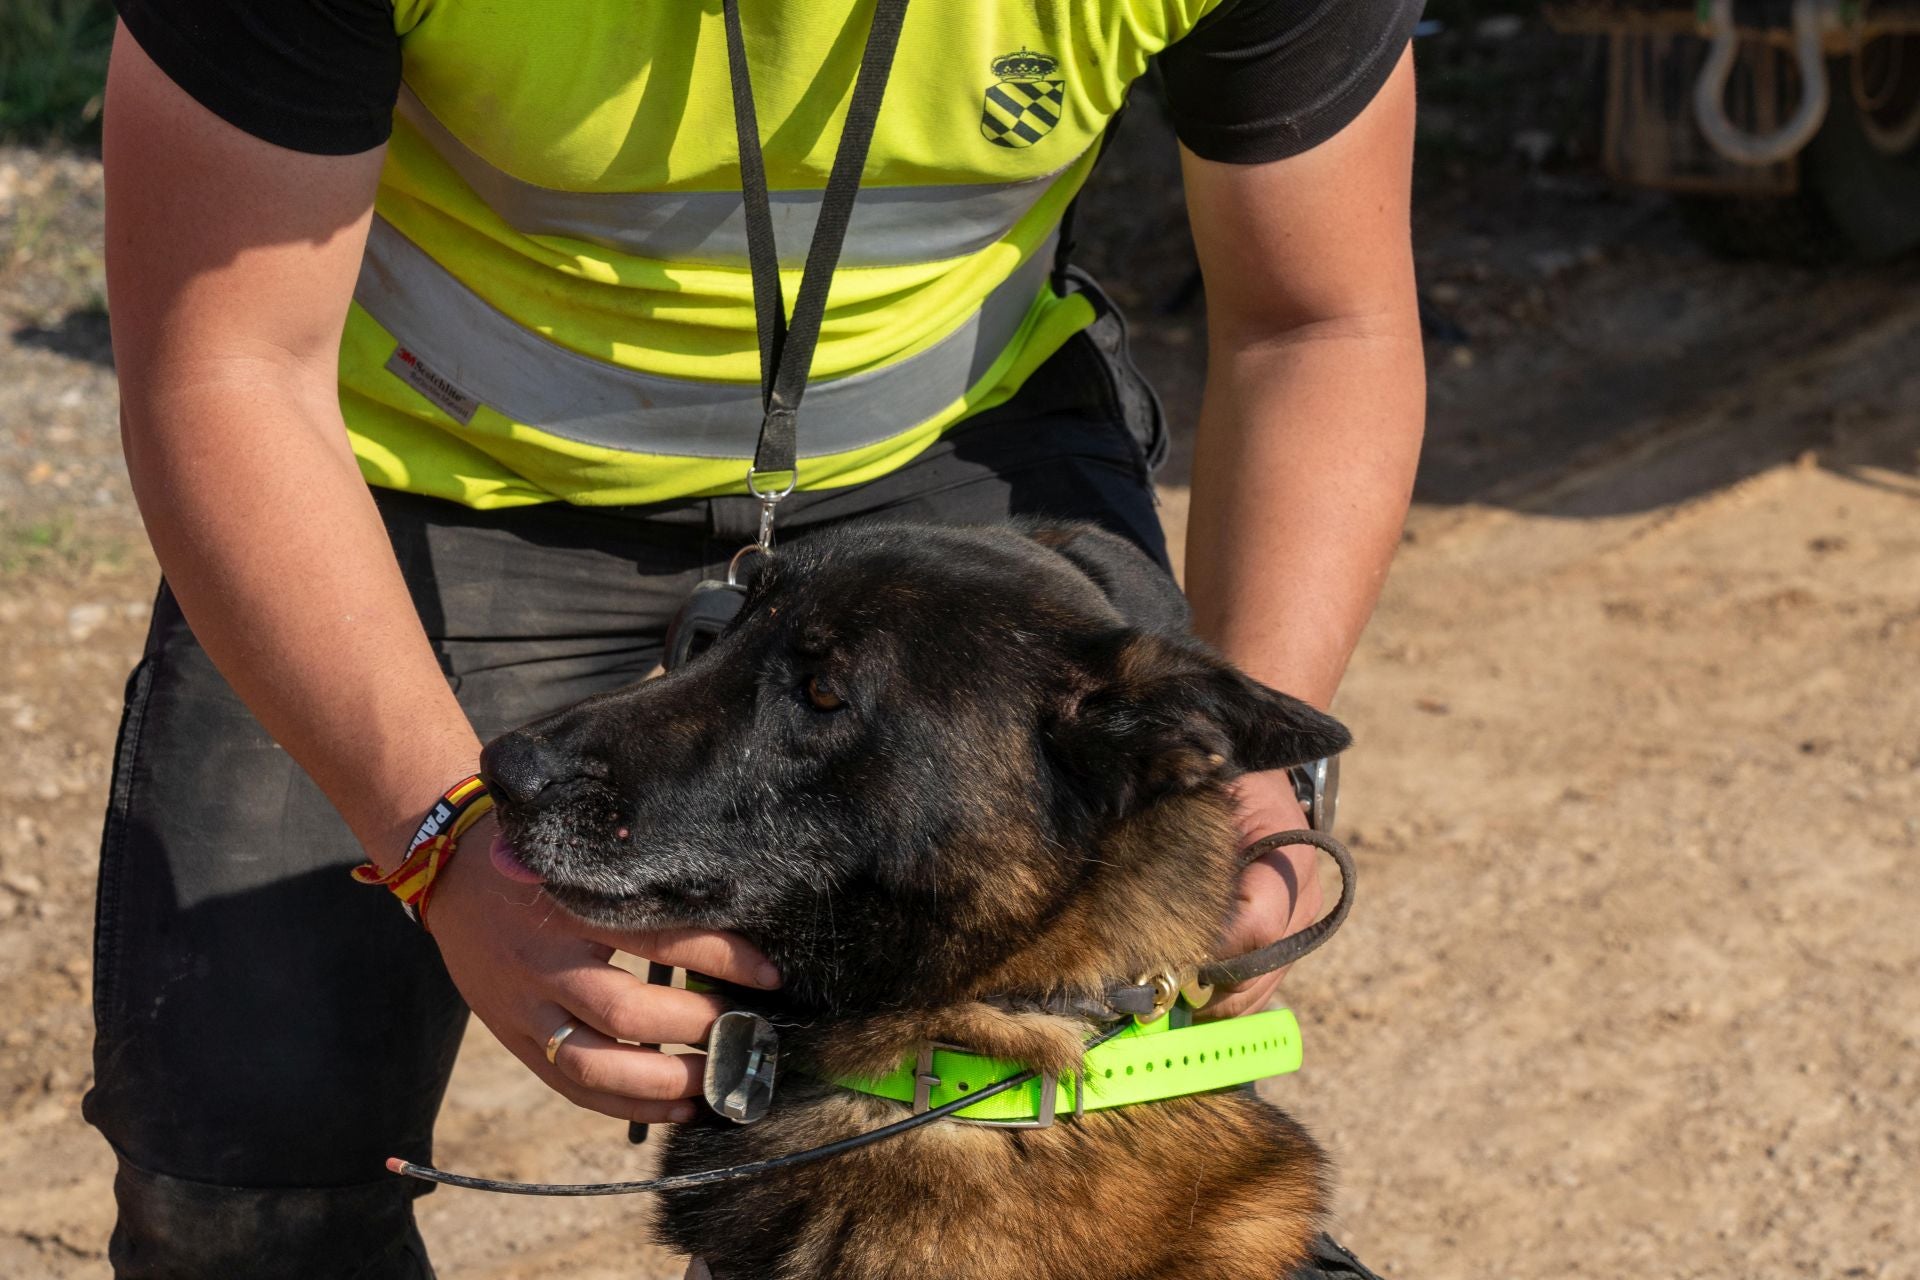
x=416, y=373
x=469, y=354
x=890, y=226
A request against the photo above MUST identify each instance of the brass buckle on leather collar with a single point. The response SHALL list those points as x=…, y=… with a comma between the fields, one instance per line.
x=925, y=1082
x=1169, y=986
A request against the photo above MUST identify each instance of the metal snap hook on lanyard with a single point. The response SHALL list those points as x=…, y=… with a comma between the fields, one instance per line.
x=762, y=543
x=770, y=498
x=786, y=347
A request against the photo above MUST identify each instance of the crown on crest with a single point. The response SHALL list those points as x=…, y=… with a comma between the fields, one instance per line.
x=1023, y=64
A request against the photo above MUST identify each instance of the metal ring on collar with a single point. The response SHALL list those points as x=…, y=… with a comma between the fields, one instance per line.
x=1165, y=986
x=559, y=1037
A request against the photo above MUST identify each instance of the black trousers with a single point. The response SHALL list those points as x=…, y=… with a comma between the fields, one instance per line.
x=224, y=901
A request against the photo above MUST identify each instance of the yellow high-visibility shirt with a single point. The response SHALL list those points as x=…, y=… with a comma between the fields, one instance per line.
x=555, y=302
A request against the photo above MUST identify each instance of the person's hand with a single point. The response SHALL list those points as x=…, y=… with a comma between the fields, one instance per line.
x=1279, y=894
x=526, y=967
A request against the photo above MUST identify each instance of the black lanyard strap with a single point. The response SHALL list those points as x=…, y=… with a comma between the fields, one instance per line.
x=786, y=350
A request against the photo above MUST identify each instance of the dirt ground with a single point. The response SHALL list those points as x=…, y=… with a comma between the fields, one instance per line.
x=1629, y=989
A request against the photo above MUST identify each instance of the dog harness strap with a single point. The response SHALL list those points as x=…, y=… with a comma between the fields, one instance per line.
x=786, y=348
x=1142, y=1064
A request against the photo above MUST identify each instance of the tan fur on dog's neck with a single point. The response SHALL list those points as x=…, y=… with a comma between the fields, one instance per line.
x=1158, y=897
x=1219, y=1184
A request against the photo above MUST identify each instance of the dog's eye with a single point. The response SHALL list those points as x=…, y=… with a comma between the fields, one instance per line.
x=823, y=696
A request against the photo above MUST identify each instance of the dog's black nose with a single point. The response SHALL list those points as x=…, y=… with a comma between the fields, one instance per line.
x=518, y=767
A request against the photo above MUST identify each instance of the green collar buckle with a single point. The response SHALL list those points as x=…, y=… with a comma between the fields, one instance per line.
x=1148, y=1062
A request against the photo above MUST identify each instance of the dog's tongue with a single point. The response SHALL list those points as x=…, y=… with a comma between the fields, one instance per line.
x=509, y=866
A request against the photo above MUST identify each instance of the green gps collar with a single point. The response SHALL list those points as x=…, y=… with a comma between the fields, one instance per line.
x=1148, y=1062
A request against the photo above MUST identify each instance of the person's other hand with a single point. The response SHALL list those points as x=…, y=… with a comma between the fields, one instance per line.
x=1279, y=894
x=526, y=967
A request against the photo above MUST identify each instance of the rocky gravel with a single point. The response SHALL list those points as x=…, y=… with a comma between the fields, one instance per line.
x=63, y=490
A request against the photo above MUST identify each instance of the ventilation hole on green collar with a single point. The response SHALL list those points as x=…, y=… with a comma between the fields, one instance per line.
x=1129, y=1070
x=965, y=1087
x=1185, y=1061
x=1168, y=1063
x=1109, y=1073
x=1149, y=1066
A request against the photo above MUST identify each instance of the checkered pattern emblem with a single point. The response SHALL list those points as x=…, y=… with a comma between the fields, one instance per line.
x=1025, y=105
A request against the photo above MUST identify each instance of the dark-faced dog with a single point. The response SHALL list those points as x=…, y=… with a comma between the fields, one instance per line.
x=938, y=775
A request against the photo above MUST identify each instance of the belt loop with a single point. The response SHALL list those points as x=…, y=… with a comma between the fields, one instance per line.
x=924, y=1081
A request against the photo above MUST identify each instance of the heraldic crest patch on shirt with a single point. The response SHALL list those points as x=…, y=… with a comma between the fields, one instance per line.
x=1024, y=104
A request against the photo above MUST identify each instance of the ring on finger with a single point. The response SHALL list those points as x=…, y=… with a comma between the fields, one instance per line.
x=559, y=1037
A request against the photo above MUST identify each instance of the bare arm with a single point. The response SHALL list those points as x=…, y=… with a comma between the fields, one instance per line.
x=1315, y=398
x=1309, y=432
x=231, y=263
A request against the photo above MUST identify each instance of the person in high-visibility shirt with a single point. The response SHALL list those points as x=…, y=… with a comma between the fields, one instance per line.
x=435, y=335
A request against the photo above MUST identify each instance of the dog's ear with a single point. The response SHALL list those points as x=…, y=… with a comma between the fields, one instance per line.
x=1140, y=590
x=1159, y=715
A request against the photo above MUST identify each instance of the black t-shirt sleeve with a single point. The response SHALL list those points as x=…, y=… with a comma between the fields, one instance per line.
x=319, y=76
x=1259, y=80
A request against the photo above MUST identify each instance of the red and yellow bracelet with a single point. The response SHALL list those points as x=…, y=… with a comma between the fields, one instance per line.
x=464, y=804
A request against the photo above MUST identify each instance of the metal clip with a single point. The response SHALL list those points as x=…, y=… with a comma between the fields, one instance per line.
x=743, y=1056
x=1195, y=992
x=1316, y=784
x=769, y=500
x=1166, y=986
x=765, y=539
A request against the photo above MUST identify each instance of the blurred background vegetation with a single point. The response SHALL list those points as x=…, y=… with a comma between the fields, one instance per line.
x=53, y=63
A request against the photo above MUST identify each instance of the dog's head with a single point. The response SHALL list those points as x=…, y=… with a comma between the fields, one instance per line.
x=922, y=764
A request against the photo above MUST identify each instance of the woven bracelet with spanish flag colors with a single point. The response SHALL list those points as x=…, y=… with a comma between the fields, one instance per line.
x=464, y=804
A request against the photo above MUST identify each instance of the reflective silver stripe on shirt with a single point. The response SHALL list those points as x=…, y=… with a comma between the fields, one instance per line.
x=479, y=353
x=891, y=226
